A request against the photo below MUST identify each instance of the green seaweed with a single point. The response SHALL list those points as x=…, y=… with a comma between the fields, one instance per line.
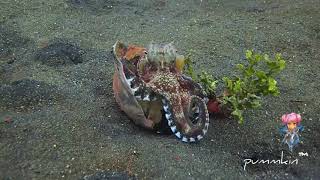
x=208, y=82
x=188, y=68
x=255, y=79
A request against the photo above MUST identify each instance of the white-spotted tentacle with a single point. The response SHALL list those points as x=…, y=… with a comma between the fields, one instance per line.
x=206, y=122
x=146, y=98
x=169, y=116
x=129, y=81
x=138, y=91
x=134, y=87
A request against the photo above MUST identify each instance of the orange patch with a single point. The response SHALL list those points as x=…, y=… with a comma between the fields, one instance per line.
x=134, y=51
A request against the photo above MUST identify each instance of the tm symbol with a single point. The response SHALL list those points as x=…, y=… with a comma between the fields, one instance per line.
x=303, y=154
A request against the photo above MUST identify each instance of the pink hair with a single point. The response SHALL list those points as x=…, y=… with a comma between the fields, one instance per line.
x=292, y=117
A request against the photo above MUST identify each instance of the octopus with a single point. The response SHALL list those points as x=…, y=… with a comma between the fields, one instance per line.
x=150, y=87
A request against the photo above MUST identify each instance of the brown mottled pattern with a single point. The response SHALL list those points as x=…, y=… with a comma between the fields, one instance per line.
x=167, y=84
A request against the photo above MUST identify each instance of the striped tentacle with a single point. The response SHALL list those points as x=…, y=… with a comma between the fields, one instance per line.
x=200, y=131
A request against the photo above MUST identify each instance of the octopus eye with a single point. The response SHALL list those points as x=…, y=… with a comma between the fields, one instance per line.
x=145, y=52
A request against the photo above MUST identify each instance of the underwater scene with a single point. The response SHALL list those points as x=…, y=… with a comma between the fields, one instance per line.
x=159, y=89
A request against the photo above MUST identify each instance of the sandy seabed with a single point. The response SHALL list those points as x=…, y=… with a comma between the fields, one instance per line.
x=58, y=117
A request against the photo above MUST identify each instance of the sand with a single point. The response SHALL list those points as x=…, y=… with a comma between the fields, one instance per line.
x=59, y=119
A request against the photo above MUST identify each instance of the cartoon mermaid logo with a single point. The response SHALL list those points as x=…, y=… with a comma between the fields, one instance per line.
x=291, y=129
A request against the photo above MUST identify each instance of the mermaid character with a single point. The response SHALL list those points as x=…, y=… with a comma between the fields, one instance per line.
x=290, y=129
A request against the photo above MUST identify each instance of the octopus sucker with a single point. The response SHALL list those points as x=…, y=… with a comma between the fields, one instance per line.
x=184, y=139
x=146, y=98
x=135, y=89
x=173, y=129
x=199, y=137
x=150, y=87
x=178, y=134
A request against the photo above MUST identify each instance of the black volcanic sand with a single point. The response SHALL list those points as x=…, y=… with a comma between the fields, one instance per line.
x=58, y=117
